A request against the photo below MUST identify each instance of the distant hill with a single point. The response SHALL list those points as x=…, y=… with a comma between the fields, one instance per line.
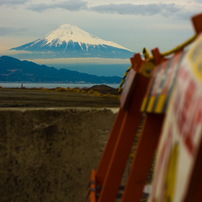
x=14, y=70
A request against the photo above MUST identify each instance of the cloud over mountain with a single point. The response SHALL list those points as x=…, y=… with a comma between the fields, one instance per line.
x=137, y=9
x=70, y=5
x=173, y=9
x=12, y=2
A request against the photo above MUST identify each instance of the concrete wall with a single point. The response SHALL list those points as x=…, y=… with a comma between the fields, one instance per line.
x=47, y=154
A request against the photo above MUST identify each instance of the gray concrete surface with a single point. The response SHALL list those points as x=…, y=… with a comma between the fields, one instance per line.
x=47, y=154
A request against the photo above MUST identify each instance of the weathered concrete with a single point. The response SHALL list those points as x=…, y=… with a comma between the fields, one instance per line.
x=47, y=154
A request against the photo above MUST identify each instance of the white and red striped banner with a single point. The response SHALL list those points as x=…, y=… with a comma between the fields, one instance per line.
x=182, y=131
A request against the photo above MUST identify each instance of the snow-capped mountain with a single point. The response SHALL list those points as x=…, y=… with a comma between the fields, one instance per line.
x=71, y=41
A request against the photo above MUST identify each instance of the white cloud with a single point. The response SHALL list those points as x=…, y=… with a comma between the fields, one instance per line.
x=171, y=9
x=70, y=5
x=5, y=31
x=12, y=2
x=137, y=9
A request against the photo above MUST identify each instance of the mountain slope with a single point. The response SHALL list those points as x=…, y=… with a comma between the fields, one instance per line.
x=14, y=70
x=70, y=41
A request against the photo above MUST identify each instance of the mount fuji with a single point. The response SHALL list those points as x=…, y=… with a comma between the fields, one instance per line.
x=69, y=41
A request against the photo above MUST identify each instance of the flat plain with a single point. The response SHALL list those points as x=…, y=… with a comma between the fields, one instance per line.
x=16, y=97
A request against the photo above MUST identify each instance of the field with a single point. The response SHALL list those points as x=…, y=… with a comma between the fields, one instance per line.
x=97, y=96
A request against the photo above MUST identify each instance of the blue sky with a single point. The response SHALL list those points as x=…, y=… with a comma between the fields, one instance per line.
x=131, y=23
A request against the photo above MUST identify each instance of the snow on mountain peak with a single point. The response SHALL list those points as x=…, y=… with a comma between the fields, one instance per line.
x=67, y=32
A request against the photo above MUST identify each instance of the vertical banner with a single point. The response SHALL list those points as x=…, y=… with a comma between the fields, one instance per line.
x=182, y=131
x=161, y=84
x=128, y=89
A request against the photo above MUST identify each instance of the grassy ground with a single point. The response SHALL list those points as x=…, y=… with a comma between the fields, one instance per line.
x=97, y=96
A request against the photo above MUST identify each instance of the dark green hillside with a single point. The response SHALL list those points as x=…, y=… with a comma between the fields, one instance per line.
x=14, y=70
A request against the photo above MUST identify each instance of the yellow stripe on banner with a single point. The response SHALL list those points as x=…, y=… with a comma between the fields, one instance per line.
x=171, y=174
x=151, y=104
x=144, y=102
x=160, y=103
x=194, y=56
